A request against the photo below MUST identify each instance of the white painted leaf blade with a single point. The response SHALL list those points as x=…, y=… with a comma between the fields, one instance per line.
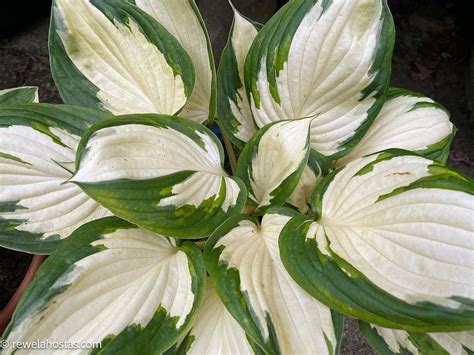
x=215, y=331
x=399, y=341
x=234, y=109
x=33, y=183
x=417, y=244
x=298, y=322
x=337, y=67
x=406, y=121
x=274, y=160
x=182, y=19
x=117, y=281
x=455, y=343
x=163, y=175
x=130, y=73
x=159, y=151
x=301, y=196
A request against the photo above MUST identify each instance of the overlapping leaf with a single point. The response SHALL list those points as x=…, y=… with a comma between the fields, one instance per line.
x=232, y=102
x=37, y=152
x=407, y=121
x=214, y=331
x=329, y=59
x=272, y=162
x=160, y=173
x=392, y=243
x=112, y=55
x=116, y=284
x=183, y=20
x=394, y=341
x=21, y=95
x=315, y=170
x=243, y=259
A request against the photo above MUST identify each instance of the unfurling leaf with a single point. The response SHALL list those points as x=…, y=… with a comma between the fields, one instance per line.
x=272, y=162
x=233, y=105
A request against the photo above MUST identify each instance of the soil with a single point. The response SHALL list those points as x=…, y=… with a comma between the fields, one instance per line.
x=13, y=267
x=433, y=56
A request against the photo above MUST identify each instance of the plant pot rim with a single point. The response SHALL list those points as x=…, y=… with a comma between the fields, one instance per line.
x=7, y=312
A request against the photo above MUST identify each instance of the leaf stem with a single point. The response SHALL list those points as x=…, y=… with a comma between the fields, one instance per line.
x=229, y=149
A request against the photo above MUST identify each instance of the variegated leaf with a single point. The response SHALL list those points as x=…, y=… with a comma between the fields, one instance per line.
x=37, y=152
x=116, y=284
x=272, y=162
x=243, y=259
x=160, y=173
x=116, y=57
x=393, y=341
x=214, y=331
x=329, y=59
x=21, y=95
x=233, y=106
x=392, y=243
x=407, y=121
x=183, y=20
x=315, y=170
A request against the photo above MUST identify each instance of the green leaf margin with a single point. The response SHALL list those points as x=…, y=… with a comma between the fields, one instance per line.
x=160, y=334
x=184, y=222
x=41, y=117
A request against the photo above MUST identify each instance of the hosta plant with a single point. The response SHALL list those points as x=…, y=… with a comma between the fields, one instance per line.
x=331, y=198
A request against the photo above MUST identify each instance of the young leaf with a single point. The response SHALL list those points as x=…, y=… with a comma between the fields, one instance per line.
x=183, y=20
x=160, y=173
x=37, y=144
x=313, y=173
x=243, y=259
x=214, y=331
x=113, y=283
x=115, y=57
x=387, y=341
x=233, y=106
x=329, y=59
x=21, y=95
x=272, y=162
x=407, y=121
x=392, y=243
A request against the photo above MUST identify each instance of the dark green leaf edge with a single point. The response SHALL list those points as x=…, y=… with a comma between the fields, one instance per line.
x=184, y=222
x=160, y=334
